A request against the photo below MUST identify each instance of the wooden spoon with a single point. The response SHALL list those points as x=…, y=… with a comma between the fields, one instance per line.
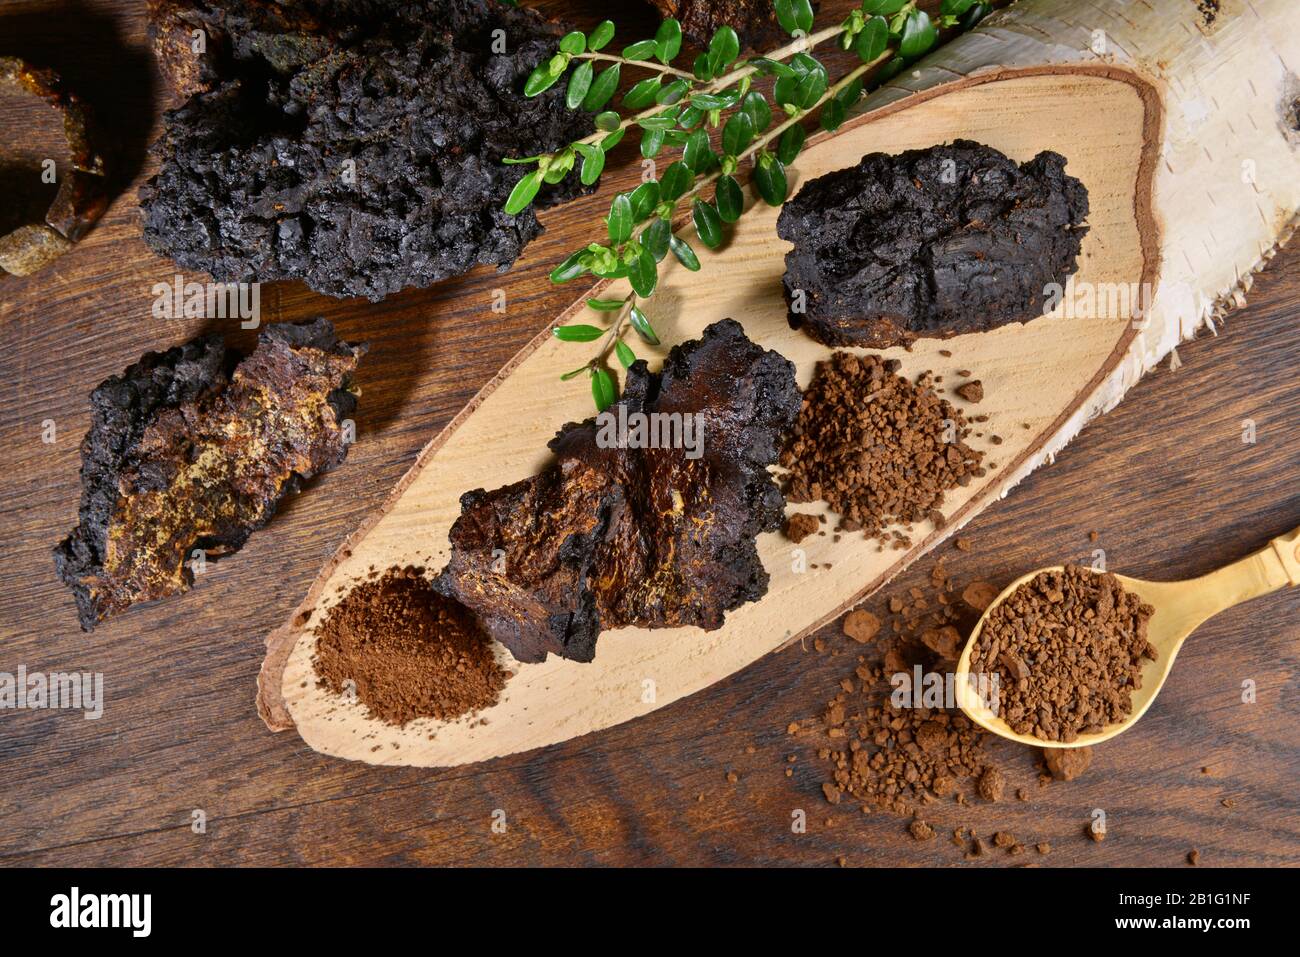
x=1180, y=607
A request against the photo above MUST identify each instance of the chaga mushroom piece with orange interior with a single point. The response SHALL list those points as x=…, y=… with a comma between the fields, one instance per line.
x=617, y=533
x=185, y=453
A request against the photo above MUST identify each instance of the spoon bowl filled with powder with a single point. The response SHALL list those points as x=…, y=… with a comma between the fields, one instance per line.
x=1068, y=657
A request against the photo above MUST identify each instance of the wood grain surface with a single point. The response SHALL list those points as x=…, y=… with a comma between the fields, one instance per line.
x=1165, y=480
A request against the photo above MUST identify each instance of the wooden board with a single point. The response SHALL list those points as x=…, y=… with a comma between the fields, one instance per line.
x=1165, y=480
x=1036, y=377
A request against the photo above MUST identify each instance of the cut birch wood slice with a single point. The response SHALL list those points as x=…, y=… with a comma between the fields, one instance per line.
x=1183, y=134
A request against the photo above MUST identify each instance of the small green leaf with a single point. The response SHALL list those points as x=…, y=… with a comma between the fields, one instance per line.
x=690, y=117
x=573, y=266
x=524, y=192
x=652, y=141
x=602, y=89
x=785, y=16
x=559, y=166
x=803, y=14
x=884, y=7
x=760, y=113
x=643, y=273
x=919, y=35
x=703, y=67
x=641, y=50
x=697, y=154
x=642, y=93
x=620, y=219
x=668, y=41
x=715, y=101
x=684, y=253
x=625, y=354
x=574, y=43
x=770, y=67
x=575, y=373
x=609, y=142
x=519, y=160
x=850, y=94
x=540, y=80
x=600, y=36
x=730, y=199
x=644, y=199
x=677, y=179
x=608, y=120
x=673, y=92
x=832, y=115
x=707, y=223
x=579, y=84
x=974, y=15
x=873, y=40
x=602, y=388
x=769, y=177
x=790, y=144
x=578, y=333
x=737, y=134
x=811, y=88
x=660, y=121
x=655, y=238
x=593, y=162
x=606, y=305
x=724, y=47
x=642, y=325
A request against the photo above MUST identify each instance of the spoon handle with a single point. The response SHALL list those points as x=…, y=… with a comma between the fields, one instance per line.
x=1274, y=566
x=1288, y=552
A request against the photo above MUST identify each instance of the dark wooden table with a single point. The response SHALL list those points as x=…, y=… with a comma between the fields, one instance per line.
x=1165, y=480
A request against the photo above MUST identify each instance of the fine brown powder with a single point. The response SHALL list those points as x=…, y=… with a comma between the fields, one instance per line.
x=406, y=651
x=1068, y=647
x=876, y=446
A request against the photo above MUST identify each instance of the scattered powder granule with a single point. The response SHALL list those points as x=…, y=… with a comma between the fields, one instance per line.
x=799, y=526
x=861, y=626
x=921, y=830
x=406, y=651
x=1066, y=764
x=992, y=784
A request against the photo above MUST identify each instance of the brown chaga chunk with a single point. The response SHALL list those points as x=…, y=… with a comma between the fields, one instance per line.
x=992, y=784
x=754, y=21
x=800, y=525
x=355, y=145
x=929, y=243
x=861, y=625
x=614, y=535
x=186, y=453
x=1066, y=764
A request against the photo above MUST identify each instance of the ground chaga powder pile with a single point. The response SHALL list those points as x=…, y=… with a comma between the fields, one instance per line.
x=875, y=446
x=902, y=759
x=1068, y=647
x=408, y=651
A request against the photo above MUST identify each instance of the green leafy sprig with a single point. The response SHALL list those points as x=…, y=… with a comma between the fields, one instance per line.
x=676, y=109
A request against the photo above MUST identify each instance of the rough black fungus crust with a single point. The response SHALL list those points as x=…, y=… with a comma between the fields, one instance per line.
x=930, y=243
x=609, y=536
x=254, y=177
x=193, y=448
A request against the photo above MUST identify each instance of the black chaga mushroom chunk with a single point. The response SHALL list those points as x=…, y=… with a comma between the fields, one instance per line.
x=929, y=243
x=356, y=145
x=190, y=450
x=648, y=515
